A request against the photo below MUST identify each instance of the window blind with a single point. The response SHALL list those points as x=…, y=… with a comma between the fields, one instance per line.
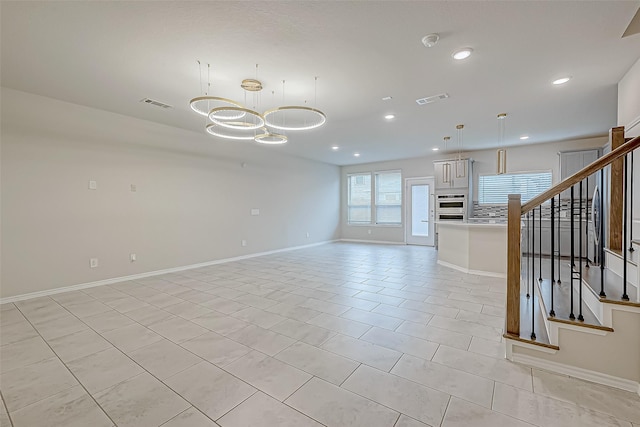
x=495, y=189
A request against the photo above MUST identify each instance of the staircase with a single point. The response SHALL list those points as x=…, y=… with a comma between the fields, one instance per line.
x=579, y=315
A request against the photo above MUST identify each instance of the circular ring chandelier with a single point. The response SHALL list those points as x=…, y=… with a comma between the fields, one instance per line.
x=316, y=118
x=203, y=105
x=271, y=138
x=214, y=129
x=244, y=125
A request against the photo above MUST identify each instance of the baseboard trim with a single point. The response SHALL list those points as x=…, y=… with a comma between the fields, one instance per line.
x=376, y=242
x=152, y=273
x=469, y=271
x=581, y=373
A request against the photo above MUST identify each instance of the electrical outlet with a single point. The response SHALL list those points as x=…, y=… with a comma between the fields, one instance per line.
x=243, y=243
x=93, y=185
x=255, y=212
x=368, y=231
x=132, y=257
x=93, y=262
x=308, y=234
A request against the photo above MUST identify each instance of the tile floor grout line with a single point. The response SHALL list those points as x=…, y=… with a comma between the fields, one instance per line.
x=66, y=367
x=5, y=407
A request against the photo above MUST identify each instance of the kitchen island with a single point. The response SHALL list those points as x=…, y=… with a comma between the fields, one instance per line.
x=473, y=246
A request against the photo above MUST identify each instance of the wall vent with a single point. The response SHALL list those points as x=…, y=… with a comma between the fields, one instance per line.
x=156, y=103
x=430, y=99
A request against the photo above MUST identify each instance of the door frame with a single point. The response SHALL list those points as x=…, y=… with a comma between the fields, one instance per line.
x=407, y=197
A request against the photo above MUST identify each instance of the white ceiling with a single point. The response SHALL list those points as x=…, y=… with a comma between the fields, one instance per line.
x=110, y=55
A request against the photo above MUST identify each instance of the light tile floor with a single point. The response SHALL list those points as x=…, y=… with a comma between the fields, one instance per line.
x=337, y=335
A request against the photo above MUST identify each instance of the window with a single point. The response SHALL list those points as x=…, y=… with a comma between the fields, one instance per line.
x=495, y=189
x=388, y=198
x=385, y=209
x=359, y=199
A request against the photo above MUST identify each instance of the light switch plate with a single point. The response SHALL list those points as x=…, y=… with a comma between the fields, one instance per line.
x=93, y=262
x=93, y=185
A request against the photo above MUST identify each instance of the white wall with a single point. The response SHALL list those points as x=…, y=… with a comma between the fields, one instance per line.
x=192, y=202
x=535, y=157
x=629, y=101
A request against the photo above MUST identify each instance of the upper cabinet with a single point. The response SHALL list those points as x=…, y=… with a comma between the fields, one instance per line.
x=452, y=174
x=572, y=162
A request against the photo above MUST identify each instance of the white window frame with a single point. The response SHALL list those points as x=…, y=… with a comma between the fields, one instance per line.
x=373, y=217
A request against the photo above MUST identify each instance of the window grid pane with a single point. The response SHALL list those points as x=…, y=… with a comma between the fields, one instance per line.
x=495, y=189
x=359, y=199
x=389, y=198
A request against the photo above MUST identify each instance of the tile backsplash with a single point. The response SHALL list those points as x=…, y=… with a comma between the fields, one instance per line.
x=500, y=211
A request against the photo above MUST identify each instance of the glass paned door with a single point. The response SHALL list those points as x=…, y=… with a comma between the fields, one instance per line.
x=420, y=211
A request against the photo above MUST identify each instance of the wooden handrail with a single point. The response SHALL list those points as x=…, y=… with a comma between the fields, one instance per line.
x=588, y=170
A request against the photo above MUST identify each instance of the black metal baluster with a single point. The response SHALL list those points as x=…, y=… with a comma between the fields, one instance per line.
x=559, y=250
x=571, y=315
x=533, y=274
x=586, y=223
x=625, y=297
x=540, y=246
x=552, y=313
x=631, y=249
x=580, y=317
x=528, y=248
x=601, y=240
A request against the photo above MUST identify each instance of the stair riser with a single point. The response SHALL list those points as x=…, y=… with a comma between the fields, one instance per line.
x=615, y=264
x=590, y=299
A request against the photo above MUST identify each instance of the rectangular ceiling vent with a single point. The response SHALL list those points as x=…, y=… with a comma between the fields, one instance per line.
x=156, y=103
x=430, y=99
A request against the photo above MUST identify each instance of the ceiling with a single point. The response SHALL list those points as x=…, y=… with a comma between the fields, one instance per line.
x=110, y=55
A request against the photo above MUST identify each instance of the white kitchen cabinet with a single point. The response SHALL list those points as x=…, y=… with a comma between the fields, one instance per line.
x=447, y=174
x=572, y=162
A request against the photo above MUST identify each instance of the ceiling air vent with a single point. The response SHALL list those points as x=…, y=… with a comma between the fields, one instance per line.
x=430, y=99
x=156, y=103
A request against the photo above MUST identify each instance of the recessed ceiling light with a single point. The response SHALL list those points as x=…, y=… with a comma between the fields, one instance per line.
x=356, y=154
x=524, y=137
x=561, y=81
x=462, y=53
x=335, y=148
x=389, y=116
x=435, y=149
x=387, y=98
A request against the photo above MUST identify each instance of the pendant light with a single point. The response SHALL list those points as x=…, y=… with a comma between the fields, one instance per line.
x=446, y=172
x=461, y=165
x=501, y=158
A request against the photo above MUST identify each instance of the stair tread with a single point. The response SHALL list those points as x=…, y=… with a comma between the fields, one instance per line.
x=612, y=284
x=618, y=253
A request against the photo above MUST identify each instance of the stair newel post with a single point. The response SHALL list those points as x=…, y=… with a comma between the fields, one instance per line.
x=559, y=250
x=540, y=246
x=552, y=313
x=573, y=265
x=580, y=256
x=602, y=293
x=625, y=220
x=514, y=218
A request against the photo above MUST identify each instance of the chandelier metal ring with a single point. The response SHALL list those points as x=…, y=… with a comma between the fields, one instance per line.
x=268, y=117
x=246, y=125
x=271, y=138
x=211, y=129
x=202, y=106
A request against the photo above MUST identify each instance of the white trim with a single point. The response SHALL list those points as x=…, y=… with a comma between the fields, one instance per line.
x=469, y=271
x=573, y=371
x=635, y=122
x=511, y=343
x=377, y=242
x=150, y=274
